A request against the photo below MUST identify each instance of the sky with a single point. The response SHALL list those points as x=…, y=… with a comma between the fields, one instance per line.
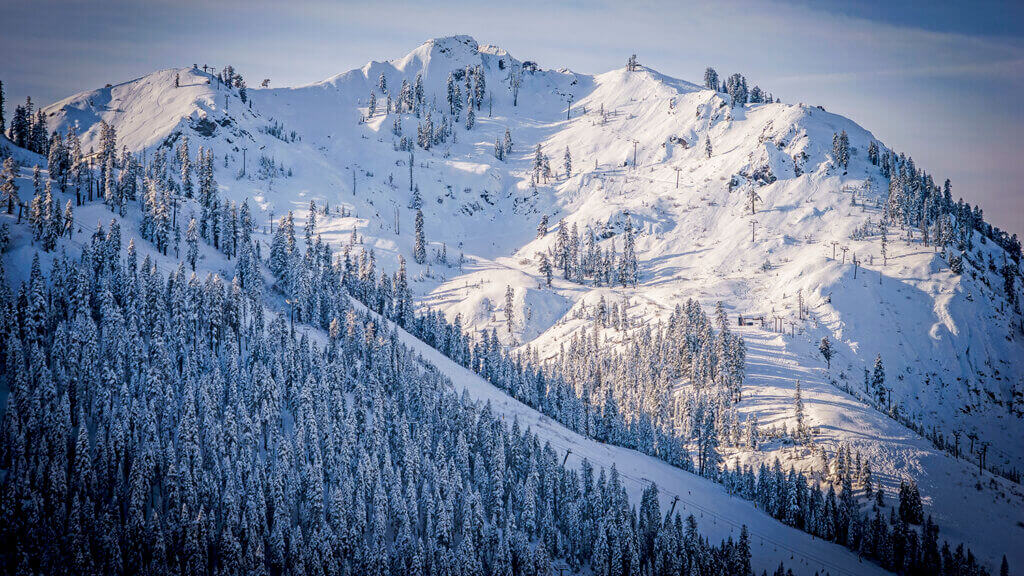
x=940, y=81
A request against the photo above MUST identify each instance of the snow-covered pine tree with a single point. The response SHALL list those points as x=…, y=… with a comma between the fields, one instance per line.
x=844, y=142
x=841, y=149
x=417, y=94
x=910, y=507
x=825, y=348
x=310, y=229
x=878, y=381
x=710, y=79
x=509, y=308
x=8, y=185
x=416, y=199
x=545, y=268
x=419, y=251
x=628, y=272
x=736, y=86
x=883, y=229
x=798, y=410
x=192, y=243
x=185, y=161
x=752, y=197
x=479, y=85
x=39, y=140
x=873, y=152
x=508, y=142
x=425, y=133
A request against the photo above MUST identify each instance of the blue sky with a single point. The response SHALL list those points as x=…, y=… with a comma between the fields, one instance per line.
x=939, y=81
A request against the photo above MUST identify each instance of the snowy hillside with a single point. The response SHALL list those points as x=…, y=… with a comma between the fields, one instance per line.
x=744, y=204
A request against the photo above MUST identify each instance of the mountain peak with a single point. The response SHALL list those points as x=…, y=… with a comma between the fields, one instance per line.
x=448, y=42
x=459, y=50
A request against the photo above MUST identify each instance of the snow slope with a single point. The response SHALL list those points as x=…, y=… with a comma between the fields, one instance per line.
x=949, y=342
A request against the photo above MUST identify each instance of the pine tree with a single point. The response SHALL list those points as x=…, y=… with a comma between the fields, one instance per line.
x=568, y=164
x=885, y=242
x=419, y=251
x=39, y=141
x=910, y=508
x=8, y=185
x=628, y=272
x=545, y=268
x=310, y=229
x=425, y=133
x=841, y=149
x=479, y=86
x=825, y=347
x=736, y=86
x=509, y=309
x=710, y=79
x=185, y=160
x=878, y=381
x=752, y=197
x=798, y=409
x=844, y=141
x=68, y=219
x=873, y=153
x=37, y=214
x=282, y=248
x=542, y=228
x=707, y=146
x=20, y=129
x=25, y=124
x=192, y=241
x=51, y=220
x=454, y=96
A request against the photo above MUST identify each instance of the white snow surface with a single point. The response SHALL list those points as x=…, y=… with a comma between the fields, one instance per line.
x=952, y=355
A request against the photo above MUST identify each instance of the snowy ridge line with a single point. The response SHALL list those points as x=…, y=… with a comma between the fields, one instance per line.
x=541, y=418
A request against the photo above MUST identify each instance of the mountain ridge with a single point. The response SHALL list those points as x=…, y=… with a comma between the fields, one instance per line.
x=692, y=242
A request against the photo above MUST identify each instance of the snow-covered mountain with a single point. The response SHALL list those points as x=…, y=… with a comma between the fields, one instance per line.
x=683, y=166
